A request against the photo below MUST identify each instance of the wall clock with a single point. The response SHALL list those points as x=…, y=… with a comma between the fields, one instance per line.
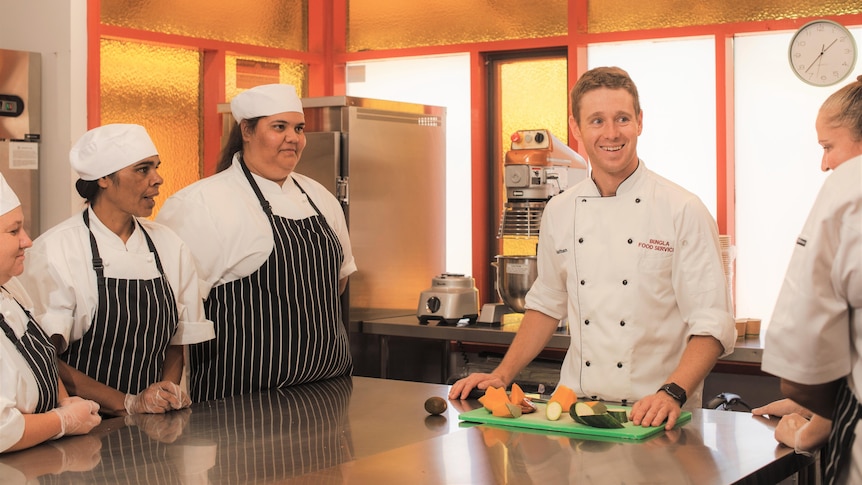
x=822, y=53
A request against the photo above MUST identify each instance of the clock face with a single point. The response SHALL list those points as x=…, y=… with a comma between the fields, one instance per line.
x=822, y=53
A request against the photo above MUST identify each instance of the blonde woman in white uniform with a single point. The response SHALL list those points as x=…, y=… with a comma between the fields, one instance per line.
x=118, y=293
x=34, y=404
x=273, y=253
x=634, y=261
x=814, y=339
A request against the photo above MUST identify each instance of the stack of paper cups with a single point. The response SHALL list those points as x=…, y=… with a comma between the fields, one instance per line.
x=728, y=254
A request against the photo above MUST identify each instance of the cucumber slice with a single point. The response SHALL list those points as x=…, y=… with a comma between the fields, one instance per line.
x=602, y=421
x=619, y=414
x=594, y=414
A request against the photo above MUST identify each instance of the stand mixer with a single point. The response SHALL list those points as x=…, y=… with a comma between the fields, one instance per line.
x=537, y=167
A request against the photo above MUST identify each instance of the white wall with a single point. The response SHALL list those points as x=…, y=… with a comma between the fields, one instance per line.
x=58, y=31
x=777, y=164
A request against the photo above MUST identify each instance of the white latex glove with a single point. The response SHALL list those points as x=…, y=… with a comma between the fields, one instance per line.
x=181, y=397
x=803, y=435
x=77, y=416
x=158, y=398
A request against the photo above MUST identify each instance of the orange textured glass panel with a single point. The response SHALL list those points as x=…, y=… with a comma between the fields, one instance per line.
x=237, y=81
x=384, y=24
x=618, y=16
x=533, y=94
x=156, y=87
x=269, y=23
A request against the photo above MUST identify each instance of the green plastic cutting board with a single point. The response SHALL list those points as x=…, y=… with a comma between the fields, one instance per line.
x=538, y=421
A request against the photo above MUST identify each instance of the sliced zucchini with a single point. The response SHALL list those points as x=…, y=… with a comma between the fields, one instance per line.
x=553, y=411
x=602, y=421
x=594, y=414
x=619, y=414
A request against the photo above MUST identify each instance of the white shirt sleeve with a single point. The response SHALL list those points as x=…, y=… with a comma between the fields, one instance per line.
x=19, y=392
x=179, y=267
x=814, y=334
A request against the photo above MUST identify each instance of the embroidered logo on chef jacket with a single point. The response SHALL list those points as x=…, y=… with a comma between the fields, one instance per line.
x=658, y=245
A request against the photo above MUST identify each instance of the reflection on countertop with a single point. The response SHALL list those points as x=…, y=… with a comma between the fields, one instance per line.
x=364, y=430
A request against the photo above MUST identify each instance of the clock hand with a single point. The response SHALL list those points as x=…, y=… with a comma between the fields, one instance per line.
x=815, y=61
x=819, y=59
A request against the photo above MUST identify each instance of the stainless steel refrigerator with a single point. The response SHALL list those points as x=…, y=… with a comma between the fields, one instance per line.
x=386, y=162
x=20, y=129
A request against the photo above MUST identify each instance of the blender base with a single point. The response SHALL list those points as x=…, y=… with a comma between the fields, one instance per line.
x=492, y=313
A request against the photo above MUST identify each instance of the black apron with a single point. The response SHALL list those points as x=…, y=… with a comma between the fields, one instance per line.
x=40, y=354
x=125, y=346
x=839, y=450
x=281, y=325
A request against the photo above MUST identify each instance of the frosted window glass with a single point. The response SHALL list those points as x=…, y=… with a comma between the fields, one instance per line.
x=157, y=87
x=777, y=165
x=619, y=16
x=437, y=81
x=384, y=24
x=272, y=23
x=676, y=84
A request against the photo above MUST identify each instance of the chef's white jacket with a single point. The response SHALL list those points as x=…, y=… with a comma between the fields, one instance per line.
x=19, y=392
x=637, y=275
x=815, y=334
x=59, y=276
x=221, y=220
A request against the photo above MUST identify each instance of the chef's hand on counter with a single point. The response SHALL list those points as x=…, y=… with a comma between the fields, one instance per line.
x=799, y=428
x=462, y=388
x=654, y=409
x=165, y=428
x=803, y=435
x=159, y=397
x=782, y=407
x=77, y=416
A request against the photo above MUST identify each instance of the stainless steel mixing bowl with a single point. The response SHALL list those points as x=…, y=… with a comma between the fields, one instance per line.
x=515, y=276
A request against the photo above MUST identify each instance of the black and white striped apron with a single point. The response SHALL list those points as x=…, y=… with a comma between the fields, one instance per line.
x=840, y=448
x=40, y=354
x=281, y=325
x=125, y=346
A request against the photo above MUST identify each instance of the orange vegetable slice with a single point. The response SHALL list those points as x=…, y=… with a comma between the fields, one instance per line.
x=565, y=396
x=516, y=395
x=494, y=398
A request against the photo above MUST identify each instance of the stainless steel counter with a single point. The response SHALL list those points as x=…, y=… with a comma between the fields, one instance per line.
x=364, y=430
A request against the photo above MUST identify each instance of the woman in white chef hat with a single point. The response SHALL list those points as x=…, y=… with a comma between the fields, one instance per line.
x=117, y=293
x=34, y=404
x=273, y=252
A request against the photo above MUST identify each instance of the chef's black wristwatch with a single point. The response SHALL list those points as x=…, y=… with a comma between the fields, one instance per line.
x=675, y=392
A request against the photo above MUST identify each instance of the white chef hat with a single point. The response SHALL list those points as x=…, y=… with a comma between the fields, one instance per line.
x=106, y=149
x=8, y=199
x=265, y=100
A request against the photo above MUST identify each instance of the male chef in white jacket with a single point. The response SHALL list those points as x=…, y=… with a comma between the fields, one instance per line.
x=633, y=260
